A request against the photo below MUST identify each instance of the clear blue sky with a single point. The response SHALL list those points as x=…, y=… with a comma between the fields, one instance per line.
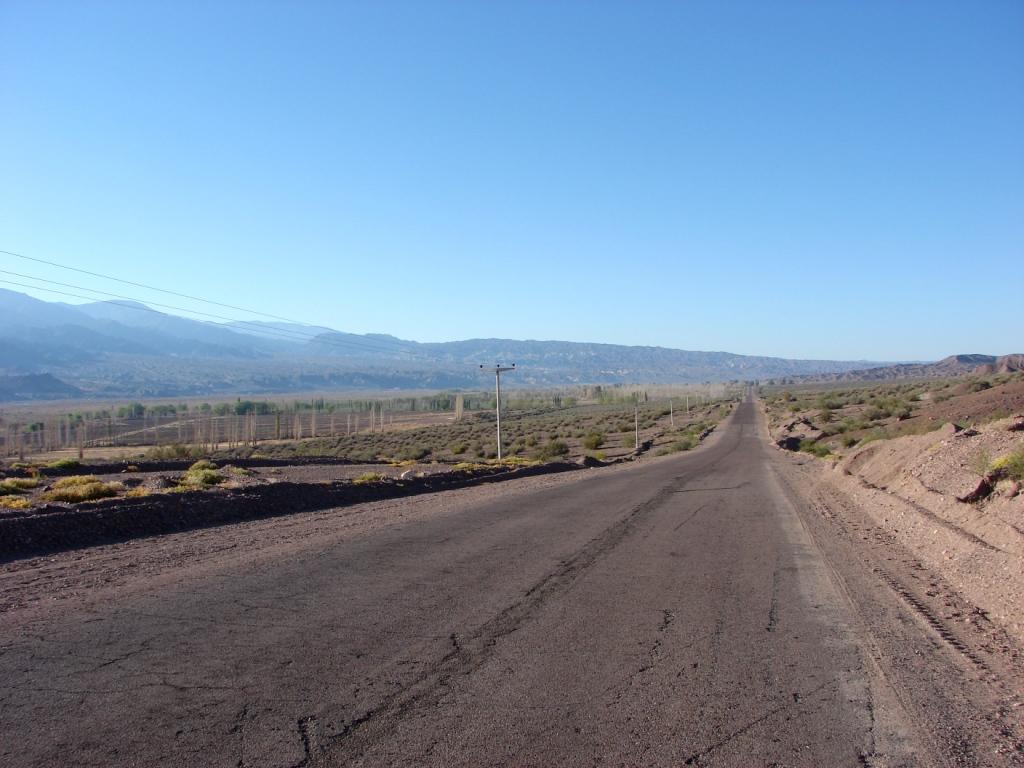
x=840, y=180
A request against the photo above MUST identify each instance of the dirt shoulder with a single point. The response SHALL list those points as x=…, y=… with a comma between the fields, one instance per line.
x=922, y=493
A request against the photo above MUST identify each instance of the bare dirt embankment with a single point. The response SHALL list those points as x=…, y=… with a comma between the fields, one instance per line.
x=946, y=497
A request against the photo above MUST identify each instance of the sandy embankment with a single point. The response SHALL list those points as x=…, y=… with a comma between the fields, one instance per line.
x=914, y=488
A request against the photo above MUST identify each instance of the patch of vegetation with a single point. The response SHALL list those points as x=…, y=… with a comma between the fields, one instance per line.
x=1010, y=466
x=815, y=449
x=369, y=477
x=980, y=463
x=64, y=464
x=18, y=485
x=552, y=450
x=593, y=441
x=14, y=502
x=174, y=451
x=82, y=488
x=413, y=453
x=201, y=478
x=75, y=480
x=202, y=464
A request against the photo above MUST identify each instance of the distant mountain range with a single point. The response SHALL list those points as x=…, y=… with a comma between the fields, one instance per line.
x=954, y=365
x=124, y=349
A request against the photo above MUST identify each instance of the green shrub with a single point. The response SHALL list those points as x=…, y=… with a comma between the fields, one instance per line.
x=202, y=478
x=809, y=446
x=369, y=477
x=459, y=448
x=1010, y=466
x=593, y=441
x=14, y=502
x=552, y=450
x=64, y=464
x=849, y=441
x=875, y=434
x=202, y=464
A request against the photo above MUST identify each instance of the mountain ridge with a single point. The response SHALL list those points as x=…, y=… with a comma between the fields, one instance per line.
x=126, y=349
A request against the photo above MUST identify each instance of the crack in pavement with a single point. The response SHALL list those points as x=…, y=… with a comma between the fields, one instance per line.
x=471, y=650
x=695, y=757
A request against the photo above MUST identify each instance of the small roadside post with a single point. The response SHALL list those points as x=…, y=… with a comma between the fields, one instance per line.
x=498, y=370
x=636, y=427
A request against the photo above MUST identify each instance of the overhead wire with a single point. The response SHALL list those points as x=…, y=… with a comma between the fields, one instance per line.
x=255, y=326
x=252, y=326
x=270, y=333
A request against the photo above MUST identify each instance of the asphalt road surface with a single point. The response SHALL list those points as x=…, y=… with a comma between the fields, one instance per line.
x=679, y=612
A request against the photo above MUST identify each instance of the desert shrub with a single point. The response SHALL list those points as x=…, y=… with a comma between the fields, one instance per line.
x=848, y=441
x=238, y=471
x=980, y=463
x=369, y=477
x=202, y=478
x=1010, y=466
x=530, y=441
x=174, y=451
x=552, y=449
x=202, y=464
x=875, y=434
x=685, y=444
x=83, y=491
x=593, y=441
x=64, y=464
x=413, y=453
x=815, y=449
x=459, y=448
x=630, y=439
x=137, y=492
x=71, y=482
x=14, y=502
x=18, y=485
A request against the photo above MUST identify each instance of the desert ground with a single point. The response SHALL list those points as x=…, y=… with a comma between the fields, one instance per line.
x=733, y=603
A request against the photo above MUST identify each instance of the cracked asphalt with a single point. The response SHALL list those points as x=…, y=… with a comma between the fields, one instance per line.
x=678, y=612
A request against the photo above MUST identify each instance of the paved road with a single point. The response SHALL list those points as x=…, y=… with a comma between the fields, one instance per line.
x=674, y=613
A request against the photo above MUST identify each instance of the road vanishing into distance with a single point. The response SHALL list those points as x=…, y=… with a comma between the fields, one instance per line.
x=688, y=610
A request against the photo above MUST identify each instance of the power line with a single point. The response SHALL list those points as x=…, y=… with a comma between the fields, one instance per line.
x=273, y=332
x=297, y=334
x=152, y=288
x=276, y=333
